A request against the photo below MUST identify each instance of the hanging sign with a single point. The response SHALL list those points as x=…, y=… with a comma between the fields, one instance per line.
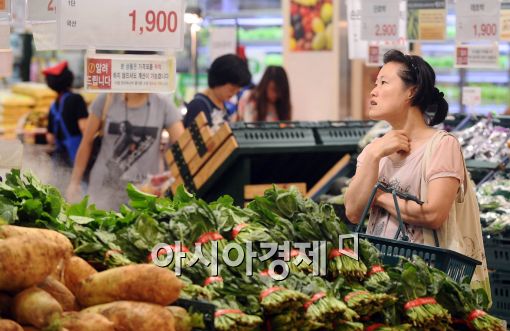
x=357, y=47
x=222, y=41
x=41, y=10
x=130, y=73
x=155, y=25
x=471, y=96
x=504, y=22
x=426, y=20
x=380, y=19
x=376, y=52
x=477, y=56
x=477, y=20
x=45, y=35
x=5, y=35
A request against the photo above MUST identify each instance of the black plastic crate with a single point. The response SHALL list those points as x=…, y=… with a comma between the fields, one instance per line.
x=206, y=309
x=500, y=288
x=343, y=133
x=454, y=264
x=497, y=252
x=272, y=135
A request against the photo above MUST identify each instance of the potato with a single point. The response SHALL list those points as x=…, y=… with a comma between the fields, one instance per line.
x=5, y=305
x=58, y=272
x=76, y=269
x=8, y=325
x=36, y=307
x=30, y=328
x=141, y=282
x=182, y=318
x=61, y=293
x=84, y=321
x=136, y=316
x=27, y=260
x=9, y=231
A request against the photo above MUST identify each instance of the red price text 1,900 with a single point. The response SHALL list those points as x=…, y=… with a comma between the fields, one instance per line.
x=485, y=30
x=382, y=30
x=160, y=21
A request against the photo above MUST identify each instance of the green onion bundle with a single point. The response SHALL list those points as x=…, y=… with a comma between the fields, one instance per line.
x=343, y=265
x=325, y=309
x=366, y=303
x=235, y=320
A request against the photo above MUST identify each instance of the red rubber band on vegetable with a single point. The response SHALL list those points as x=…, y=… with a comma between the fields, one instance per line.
x=316, y=297
x=374, y=327
x=335, y=252
x=264, y=273
x=227, y=311
x=237, y=229
x=475, y=314
x=209, y=236
x=375, y=269
x=353, y=294
x=265, y=293
x=210, y=280
x=419, y=302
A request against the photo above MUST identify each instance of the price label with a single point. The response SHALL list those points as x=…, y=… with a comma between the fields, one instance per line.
x=130, y=73
x=477, y=56
x=45, y=35
x=426, y=20
x=41, y=10
x=222, y=41
x=376, y=52
x=155, y=25
x=504, y=22
x=380, y=20
x=357, y=47
x=471, y=96
x=478, y=20
x=5, y=36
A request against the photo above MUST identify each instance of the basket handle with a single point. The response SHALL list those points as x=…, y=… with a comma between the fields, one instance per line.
x=395, y=194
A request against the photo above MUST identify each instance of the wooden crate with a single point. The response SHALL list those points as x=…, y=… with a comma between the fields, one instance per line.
x=252, y=191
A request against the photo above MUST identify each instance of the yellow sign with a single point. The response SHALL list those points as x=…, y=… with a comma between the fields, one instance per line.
x=504, y=25
x=426, y=20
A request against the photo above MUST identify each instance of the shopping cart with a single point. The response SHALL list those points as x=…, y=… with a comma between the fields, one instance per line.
x=454, y=264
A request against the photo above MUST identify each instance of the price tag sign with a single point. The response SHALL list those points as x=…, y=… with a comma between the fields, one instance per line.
x=426, y=20
x=504, y=22
x=357, y=47
x=376, y=52
x=478, y=20
x=5, y=36
x=155, y=25
x=477, y=56
x=380, y=19
x=45, y=35
x=5, y=5
x=471, y=96
x=41, y=10
x=130, y=73
x=222, y=41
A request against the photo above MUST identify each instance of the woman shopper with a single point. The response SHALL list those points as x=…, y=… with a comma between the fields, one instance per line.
x=419, y=160
x=269, y=101
x=226, y=76
x=130, y=148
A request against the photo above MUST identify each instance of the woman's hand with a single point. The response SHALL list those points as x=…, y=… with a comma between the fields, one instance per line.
x=391, y=142
x=74, y=193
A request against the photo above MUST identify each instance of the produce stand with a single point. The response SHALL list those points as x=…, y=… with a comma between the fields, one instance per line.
x=224, y=162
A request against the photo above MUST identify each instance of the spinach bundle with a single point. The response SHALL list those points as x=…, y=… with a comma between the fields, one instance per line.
x=340, y=264
x=230, y=316
x=366, y=303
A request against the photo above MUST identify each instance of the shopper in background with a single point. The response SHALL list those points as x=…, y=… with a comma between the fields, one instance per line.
x=130, y=148
x=269, y=100
x=227, y=74
x=419, y=160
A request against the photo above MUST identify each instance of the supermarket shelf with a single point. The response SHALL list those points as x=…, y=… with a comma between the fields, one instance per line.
x=482, y=165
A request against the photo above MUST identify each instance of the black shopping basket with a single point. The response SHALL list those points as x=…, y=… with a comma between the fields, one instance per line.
x=454, y=264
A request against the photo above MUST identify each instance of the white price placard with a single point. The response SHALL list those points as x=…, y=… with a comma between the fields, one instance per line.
x=477, y=56
x=155, y=25
x=130, y=73
x=5, y=5
x=376, y=52
x=223, y=40
x=477, y=20
x=45, y=35
x=380, y=19
x=357, y=47
x=5, y=36
x=471, y=96
x=41, y=10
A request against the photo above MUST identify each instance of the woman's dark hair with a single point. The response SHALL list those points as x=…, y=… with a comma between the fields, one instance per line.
x=227, y=69
x=278, y=76
x=60, y=83
x=419, y=74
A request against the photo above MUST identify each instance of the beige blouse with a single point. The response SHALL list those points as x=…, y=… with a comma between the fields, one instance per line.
x=405, y=175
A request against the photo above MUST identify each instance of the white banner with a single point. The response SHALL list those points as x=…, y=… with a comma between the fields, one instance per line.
x=477, y=20
x=41, y=10
x=5, y=35
x=45, y=35
x=380, y=20
x=477, y=56
x=155, y=25
x=130, y=73
x=223, y=40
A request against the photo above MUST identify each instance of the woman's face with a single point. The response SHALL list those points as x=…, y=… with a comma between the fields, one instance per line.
x=226, y=92
x=390, y=98
x=272, y=92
